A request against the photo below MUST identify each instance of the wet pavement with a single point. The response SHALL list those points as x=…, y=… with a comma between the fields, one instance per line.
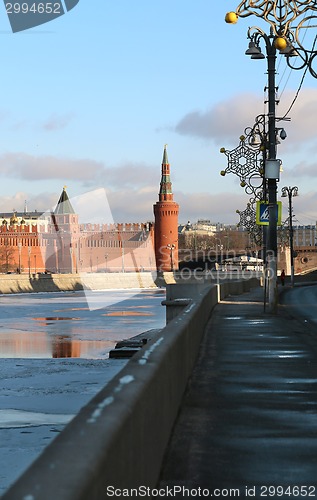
x=248, y=423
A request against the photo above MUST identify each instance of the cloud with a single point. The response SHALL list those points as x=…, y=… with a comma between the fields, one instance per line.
x=137, y=206
x=302, y=126
x=226, y=120
x=28, y=167
x=53, y=123
x=124, y=205
x=25, y=166
x=219, y=207
x=304, y=208
x=40, y=203
x=131, y=175
x=304, y=169
x=133, y=205
x=56, y=122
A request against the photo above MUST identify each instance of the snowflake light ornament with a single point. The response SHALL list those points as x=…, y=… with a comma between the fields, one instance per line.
x=243, y=161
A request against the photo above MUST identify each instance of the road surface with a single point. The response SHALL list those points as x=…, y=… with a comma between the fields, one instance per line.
x=301, y=302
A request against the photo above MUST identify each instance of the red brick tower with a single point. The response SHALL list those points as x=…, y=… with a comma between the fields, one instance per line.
x=166, y=223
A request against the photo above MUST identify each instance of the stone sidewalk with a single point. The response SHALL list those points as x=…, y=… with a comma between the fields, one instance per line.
x=248, y=423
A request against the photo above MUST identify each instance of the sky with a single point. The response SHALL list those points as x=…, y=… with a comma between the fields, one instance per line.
x=90, y=99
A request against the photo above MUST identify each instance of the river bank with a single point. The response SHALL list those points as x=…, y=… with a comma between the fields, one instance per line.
x=39, y=282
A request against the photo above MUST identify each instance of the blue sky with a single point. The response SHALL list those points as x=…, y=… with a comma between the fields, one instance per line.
x=90, y=99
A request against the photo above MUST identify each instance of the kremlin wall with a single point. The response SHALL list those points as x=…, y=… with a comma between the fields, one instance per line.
x=58, y=243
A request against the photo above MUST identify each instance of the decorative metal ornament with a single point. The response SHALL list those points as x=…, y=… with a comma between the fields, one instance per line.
x=288, y=36
x=243, y=161
x=247, y=216
x=278, y=13
x=247, y=220
x=246, y=161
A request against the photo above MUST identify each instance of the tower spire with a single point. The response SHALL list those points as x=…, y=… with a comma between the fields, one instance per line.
x=166, y=193
x=165, y=159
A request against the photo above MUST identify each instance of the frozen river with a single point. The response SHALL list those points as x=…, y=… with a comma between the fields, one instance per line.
x=61, y=325
x=54, y=359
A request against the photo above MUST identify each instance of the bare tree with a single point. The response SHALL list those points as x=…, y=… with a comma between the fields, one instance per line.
x=7, y=261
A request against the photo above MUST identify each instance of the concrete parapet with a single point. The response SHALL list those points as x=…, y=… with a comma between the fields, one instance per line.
x=236, y=287
x=180, y=295
x=223, y=290
x=119, y=439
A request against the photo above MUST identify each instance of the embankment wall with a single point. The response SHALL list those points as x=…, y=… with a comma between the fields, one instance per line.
x=22, y=283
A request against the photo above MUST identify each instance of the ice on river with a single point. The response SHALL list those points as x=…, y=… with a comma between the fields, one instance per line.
x=42, y=387
x=38, y=397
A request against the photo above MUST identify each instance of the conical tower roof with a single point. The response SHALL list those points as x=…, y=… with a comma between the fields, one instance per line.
x=166, y=192
x=165, y=159
x=64, y=206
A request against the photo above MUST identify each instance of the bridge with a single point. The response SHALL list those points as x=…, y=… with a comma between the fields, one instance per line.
x=244, y=423
x=305, y=258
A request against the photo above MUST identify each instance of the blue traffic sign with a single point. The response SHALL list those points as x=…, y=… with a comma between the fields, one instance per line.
x=263, y=213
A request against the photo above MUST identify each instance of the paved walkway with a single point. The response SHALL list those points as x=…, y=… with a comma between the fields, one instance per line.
x=249, y=419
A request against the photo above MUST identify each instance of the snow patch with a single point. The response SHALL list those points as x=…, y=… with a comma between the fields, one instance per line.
x=127, y=379
x=149, y=351
x=18, y=418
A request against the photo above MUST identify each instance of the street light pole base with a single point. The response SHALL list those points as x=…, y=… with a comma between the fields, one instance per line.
x=272, y=286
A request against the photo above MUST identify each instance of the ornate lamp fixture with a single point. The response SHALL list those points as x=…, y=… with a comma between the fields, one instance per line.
x=288, y=36
x=290, y=192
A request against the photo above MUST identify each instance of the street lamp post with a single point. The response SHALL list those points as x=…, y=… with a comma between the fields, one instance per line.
x=19, y=248
x=271, y=245
x=29, y=255
x=122, y=254
x=171, y=248
x=271, y=163
x=71, y=259
x=280, y=14
x=290, y=192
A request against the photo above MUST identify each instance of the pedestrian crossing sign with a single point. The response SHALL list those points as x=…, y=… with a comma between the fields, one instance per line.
x=262, y=213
